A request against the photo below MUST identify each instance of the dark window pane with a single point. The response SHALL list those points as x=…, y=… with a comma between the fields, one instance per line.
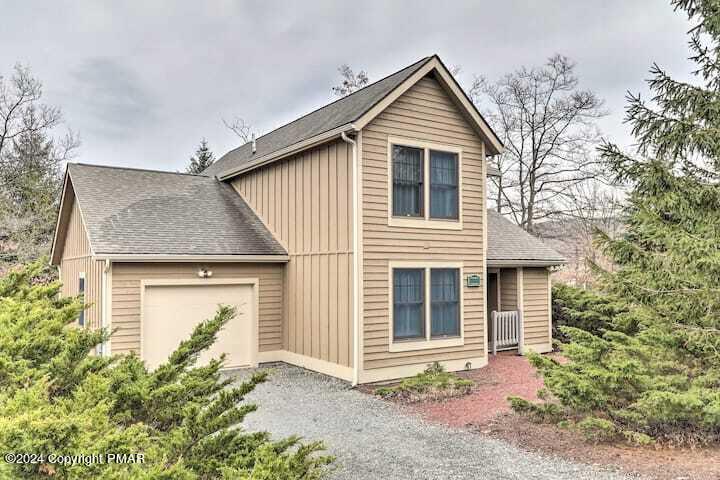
x=81, y=290
x=407, y=168
x=408, y=303
x=445, y=302
x=443, y=185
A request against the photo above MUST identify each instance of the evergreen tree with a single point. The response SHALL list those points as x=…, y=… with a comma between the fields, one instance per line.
x=202, y=159
x=31, y=160
x=31, y=180
x=55, y=397
x=655, y=368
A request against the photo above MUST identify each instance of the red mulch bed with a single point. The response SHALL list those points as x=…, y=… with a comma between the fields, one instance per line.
x=487, y=412
x=506, y=374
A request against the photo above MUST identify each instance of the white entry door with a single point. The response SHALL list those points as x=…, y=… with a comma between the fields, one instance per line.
x=171, y=312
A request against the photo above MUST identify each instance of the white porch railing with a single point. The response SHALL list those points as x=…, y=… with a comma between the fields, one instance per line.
x=505, y=330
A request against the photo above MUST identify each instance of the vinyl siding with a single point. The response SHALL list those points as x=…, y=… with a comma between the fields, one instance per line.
x=306, y=202
x=77, y=258
x=508, y=289
x=535, y=307
x=126, y=278
x=424, y=113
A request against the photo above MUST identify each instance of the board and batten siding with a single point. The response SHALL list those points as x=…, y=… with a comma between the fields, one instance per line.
x=424, y=113
x=508, y=289
x=76, y=259
x=536, y=305
x=306, y=202
x=126, y=294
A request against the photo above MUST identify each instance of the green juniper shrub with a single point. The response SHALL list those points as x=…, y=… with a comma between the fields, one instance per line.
x=432, y=384
x=541, y=412
x=637, y=438
x=55, y=397
x=597, y=429
x=584, y=309
x=654, y=368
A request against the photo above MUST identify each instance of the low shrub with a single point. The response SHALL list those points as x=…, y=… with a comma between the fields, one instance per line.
x=597, y=429
x=56, y=398
x=543, y=412
x=432, y=384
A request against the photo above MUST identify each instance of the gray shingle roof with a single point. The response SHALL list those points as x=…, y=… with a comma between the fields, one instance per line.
x=341, y=112
x=510, y=244
x=129, y=211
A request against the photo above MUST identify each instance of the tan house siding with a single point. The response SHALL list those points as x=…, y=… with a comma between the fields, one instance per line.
x=77, y=259
x=126, y=278
x=306, y=202
x=536, y=328
x=508, y=289
x=424, y=113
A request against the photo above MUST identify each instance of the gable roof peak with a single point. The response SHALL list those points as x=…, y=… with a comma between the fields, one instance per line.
x=349, y=113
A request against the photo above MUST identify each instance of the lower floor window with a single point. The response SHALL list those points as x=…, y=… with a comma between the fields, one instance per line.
x=445, y=302
x=426, y=303
x=409, y=303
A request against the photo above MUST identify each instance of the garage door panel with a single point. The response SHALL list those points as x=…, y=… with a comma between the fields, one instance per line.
x=171, y=312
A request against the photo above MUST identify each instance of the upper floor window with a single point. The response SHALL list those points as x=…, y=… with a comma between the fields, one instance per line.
x=408, y=180
x=443, y=185
x=425, y=186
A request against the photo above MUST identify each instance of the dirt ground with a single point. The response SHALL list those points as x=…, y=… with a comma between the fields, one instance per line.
x=658, y=463
x=486, y=411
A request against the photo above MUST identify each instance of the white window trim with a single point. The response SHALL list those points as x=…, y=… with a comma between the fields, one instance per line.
x=426, y=222
x=428, y=343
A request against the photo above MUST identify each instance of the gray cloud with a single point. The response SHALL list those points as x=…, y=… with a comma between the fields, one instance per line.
x=110, y=99
x=144, y=81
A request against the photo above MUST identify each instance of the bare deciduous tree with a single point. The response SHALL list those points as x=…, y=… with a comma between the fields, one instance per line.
x=31, y=161
x=591, y=206
x=240, y=128
x=547, y=124
x=350, y=81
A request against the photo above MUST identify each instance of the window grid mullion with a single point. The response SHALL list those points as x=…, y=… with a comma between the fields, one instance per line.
x=428, y=306
x=426, y=184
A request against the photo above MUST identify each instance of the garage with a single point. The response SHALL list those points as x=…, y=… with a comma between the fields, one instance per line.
x=172, y=309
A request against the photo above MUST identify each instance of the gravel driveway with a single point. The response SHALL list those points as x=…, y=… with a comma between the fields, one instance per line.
x=373, y=439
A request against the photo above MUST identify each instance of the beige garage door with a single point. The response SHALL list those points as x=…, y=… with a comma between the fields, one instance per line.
x=171, y=312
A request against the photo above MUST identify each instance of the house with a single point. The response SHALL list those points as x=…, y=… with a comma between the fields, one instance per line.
x=354, y=241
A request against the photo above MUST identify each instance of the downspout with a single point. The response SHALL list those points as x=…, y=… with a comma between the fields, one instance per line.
x=356, y=263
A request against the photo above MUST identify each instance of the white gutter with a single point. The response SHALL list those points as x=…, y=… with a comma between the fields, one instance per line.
x=525, y=263
x=356, y=263
x=192, y=258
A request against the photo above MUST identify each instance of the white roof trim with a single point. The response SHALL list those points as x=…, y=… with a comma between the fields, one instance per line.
x=525, y=263
x=451, y=86
x=287, y=151
x=53, y=251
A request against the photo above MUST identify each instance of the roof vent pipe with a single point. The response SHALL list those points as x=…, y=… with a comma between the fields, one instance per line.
x=254, y=145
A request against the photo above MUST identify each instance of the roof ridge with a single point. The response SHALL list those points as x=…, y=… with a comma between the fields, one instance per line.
x=422, y=60
x=114, y=167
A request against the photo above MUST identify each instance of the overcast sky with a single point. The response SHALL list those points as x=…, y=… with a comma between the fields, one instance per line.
x=143, y=81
